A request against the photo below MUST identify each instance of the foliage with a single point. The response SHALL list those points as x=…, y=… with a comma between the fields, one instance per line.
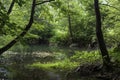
x=19, y=47
x=60, y=37
x=86, y=57
x=51, y=26
x=114, y=53
x=51, y=21
x=64, y=65
x=5, y=39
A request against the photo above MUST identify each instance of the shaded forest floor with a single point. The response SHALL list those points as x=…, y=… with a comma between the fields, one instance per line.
x=52, y=63
x=94, y=72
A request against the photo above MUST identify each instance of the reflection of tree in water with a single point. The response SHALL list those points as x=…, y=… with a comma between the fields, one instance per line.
x=3, y=73
x=53, y=76
x=35, y=74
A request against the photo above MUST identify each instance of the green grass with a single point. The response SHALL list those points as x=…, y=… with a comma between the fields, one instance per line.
x=68, y=63
x=58, y=65
x=86, y=57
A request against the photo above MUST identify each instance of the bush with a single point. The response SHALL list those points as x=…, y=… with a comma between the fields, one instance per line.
x=5, y=39
x=19, y=47
x=86, y=57
x=60, y=38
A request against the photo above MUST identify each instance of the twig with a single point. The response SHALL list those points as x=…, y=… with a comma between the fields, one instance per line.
x=44, y=2
x=111, y=6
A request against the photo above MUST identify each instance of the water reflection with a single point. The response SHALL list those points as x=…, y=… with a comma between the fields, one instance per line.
x=16, y=63
x=34, y=74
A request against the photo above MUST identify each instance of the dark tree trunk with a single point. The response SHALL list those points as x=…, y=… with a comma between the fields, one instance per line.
x=9, y=45
x=99, y=34
x=8, y=13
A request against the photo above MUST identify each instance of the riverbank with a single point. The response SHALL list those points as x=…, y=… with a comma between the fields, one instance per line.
x=54, y=63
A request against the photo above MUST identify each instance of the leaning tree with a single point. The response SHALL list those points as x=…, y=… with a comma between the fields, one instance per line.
x=100, y=38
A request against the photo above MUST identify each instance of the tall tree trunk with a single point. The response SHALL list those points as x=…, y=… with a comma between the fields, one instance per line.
x=99, y=34
x=9, y=45
x=8, y=13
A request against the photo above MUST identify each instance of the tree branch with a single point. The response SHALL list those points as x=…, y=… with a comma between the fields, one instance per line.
x=111, y=6
x=28, y=26
x=44, y=2
x=11, y=7
x=8, y=13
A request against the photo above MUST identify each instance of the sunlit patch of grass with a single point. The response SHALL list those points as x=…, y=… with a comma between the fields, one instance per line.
x=86, y=57
x=58, y=65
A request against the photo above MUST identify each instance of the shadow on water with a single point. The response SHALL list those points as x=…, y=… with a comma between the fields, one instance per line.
x=36, y=74
x=22, y=73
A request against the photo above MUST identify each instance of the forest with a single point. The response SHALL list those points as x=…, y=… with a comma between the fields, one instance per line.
x=59, y=40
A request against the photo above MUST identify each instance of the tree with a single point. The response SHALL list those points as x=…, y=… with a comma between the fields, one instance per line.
x=77, y=27
x=70, y=24
x=28, y=26
x=102, y=46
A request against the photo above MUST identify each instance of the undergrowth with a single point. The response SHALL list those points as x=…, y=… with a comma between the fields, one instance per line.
x=58, y=65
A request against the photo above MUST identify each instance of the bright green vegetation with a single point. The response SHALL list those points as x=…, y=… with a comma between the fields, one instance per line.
x=65, y=65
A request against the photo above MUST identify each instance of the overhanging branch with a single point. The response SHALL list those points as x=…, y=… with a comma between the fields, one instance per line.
x=22, y=34
x=44, y=2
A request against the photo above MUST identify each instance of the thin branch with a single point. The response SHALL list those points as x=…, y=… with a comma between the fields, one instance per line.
x=8, y=13
x=44, y=2
x=111, y=6
x=11, y=7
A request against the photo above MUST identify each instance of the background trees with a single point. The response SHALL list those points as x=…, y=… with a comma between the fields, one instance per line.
x=59, y=21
